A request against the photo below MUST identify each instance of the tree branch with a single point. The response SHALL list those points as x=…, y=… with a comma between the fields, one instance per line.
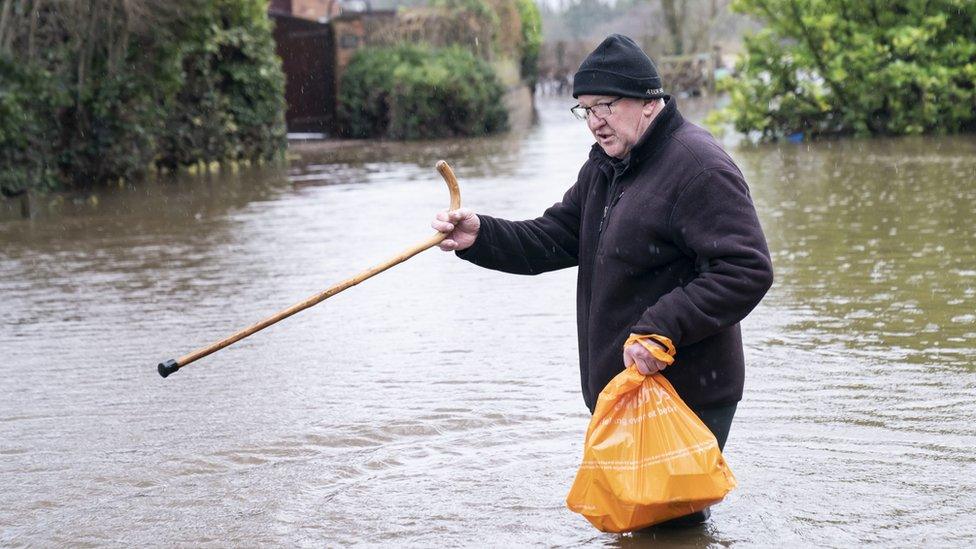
x=5, y=17
x=32, y=32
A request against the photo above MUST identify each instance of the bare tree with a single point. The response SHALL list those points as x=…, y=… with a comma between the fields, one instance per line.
x=675, y=15
x=691, y=23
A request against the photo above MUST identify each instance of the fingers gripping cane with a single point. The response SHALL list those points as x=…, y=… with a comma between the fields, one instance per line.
x=172, y=365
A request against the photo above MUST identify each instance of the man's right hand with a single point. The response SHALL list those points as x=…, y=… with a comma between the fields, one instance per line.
x=461, y=227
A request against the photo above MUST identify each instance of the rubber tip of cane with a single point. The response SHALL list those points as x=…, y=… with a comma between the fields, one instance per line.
x=168, y=367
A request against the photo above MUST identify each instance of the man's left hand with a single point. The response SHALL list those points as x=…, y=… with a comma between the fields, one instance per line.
x=635, y=353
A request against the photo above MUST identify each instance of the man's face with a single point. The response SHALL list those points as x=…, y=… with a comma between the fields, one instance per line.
x=618, y=132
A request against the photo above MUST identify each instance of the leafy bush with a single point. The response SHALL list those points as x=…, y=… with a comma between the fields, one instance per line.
x=95, y=91
x=412, y=92
x=110, y=131
x=822, y=67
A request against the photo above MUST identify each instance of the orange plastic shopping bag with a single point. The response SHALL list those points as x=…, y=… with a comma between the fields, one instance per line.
x=647, y=457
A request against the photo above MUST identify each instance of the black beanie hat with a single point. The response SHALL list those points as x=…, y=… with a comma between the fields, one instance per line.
x=618, y=66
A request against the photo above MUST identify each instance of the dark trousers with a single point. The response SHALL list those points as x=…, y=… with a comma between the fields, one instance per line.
x=718, y=421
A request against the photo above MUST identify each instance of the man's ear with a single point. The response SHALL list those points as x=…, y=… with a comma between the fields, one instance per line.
x=647, y=109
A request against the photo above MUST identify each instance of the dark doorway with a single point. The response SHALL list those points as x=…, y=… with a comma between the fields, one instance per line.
x=308, y=60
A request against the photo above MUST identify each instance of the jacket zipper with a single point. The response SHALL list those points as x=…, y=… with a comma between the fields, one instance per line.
x=611, y=200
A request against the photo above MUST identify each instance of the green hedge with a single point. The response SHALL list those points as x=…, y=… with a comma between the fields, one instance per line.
x=413, y=92
x=231, y=103
x=195, y=81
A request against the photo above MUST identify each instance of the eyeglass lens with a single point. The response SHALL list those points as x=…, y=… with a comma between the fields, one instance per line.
x=600, y=110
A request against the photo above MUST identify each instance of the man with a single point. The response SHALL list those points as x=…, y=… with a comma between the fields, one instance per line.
x=662, y=227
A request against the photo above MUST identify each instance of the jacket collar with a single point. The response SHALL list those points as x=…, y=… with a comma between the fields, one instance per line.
x=655, y=136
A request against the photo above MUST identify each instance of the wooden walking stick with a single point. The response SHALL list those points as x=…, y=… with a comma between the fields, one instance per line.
x=172, y=365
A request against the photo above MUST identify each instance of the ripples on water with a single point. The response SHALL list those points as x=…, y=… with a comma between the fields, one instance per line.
x=438, y=404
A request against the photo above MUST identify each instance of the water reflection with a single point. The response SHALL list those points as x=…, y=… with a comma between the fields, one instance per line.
x=877, y=240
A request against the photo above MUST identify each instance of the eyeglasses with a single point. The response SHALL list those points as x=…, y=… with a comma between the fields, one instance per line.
x=600, y=110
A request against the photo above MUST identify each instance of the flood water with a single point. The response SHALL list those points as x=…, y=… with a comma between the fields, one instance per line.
x=438, y=403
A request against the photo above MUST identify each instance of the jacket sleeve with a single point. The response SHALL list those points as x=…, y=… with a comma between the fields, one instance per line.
x=714, y=222
x=533, y=246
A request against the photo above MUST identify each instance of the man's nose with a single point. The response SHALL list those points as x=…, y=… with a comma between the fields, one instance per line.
x=594, y=122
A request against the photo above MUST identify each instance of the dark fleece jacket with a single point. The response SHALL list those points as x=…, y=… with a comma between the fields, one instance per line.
x=667, y=242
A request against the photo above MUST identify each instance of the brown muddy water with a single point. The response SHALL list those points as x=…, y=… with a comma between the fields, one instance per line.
x=438, y=403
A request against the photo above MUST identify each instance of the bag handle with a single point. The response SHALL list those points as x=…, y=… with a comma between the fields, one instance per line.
x=665, y=355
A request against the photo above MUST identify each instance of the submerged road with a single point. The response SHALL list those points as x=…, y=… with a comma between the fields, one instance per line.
x=438, y=404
